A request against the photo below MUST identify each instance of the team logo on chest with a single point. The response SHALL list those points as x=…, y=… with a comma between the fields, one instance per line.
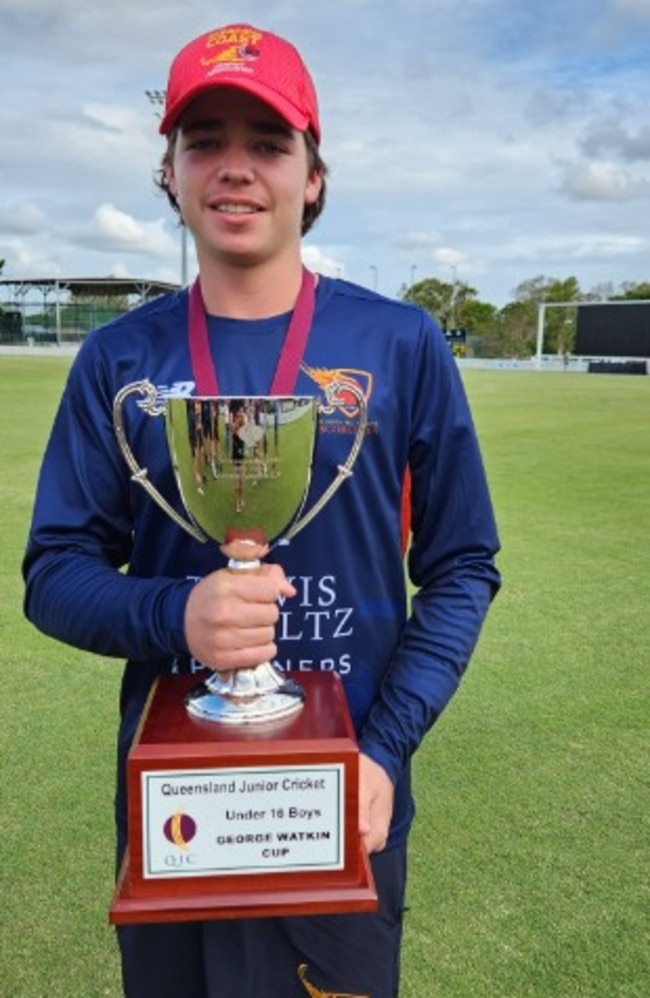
x=339, y=387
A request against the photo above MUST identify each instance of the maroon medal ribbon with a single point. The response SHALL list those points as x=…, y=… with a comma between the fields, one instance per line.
x=293, y=348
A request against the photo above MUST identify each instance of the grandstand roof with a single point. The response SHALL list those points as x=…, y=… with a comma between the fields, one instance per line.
x=95, y=286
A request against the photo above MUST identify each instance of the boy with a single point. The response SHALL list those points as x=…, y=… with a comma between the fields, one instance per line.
x=242, y=165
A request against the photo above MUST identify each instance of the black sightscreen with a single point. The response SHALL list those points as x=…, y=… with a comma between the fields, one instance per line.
x=613, y=331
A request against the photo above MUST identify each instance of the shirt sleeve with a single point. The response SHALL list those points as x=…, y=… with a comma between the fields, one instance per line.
x=451, y=562
x=81, y=537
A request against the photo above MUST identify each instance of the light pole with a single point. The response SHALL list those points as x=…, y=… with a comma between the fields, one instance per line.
x=454, y=293
x=375, y=274
x=413, y=269
x=157, y=99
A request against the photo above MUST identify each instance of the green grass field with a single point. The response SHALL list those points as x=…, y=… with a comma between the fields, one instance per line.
x=531, y=850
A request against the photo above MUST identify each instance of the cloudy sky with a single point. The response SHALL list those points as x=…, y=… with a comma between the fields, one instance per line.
x=486, y=140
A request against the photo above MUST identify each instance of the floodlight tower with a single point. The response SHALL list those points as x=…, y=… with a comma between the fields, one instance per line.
x=157, y=99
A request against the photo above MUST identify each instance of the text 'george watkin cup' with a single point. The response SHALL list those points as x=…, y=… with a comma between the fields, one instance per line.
x=243, y=468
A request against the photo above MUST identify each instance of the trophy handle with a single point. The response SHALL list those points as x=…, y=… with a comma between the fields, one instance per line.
x=153, y=407
x=344, y=470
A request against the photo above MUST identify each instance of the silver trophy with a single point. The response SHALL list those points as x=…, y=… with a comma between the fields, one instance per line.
x=243, y=468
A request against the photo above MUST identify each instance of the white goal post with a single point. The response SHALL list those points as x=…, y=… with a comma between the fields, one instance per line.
x=541, y=316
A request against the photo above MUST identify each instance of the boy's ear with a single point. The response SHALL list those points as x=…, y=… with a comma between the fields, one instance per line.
x=170, y=179
x=314, y=187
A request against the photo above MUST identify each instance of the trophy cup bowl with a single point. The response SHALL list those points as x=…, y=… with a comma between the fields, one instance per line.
x=242, y=466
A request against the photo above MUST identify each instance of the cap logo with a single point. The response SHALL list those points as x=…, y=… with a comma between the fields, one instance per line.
x=237, y=45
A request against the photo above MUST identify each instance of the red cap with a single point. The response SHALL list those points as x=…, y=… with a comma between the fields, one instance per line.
x=250, y=59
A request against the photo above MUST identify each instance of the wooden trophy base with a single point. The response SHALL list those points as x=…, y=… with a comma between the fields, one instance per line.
x=229, y=821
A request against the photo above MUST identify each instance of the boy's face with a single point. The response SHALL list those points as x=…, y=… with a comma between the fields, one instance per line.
x=241, y=177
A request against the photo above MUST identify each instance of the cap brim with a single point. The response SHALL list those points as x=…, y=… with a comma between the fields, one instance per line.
x=285, y=108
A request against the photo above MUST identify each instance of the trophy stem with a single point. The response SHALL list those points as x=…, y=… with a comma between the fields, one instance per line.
x=258, y=693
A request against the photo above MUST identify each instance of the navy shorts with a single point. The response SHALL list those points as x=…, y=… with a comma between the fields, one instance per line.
x=321, y=956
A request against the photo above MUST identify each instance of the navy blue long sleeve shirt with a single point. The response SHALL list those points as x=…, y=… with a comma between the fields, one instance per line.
x=108, y=571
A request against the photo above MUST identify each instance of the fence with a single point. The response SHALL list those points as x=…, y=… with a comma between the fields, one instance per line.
x=52, y=324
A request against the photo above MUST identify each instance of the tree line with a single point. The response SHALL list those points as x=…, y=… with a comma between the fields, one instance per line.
x=511, y=331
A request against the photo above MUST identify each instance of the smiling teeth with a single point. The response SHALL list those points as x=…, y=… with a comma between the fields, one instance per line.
x=236, y=209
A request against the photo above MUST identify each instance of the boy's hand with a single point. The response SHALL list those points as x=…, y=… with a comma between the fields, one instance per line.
x=376, y=795
x=230, y=617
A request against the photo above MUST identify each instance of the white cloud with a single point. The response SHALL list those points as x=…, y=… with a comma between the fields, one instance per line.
x=602, y=182
x=448, y=257
x=319, y=261
x=104, y=139
x=112, y=229
x=24, y=259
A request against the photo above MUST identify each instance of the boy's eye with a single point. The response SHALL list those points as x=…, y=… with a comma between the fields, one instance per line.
x=207, y=142
x=261, y=145
x=269, y=146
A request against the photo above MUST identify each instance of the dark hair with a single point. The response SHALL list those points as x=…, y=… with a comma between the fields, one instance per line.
x=316, y=164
